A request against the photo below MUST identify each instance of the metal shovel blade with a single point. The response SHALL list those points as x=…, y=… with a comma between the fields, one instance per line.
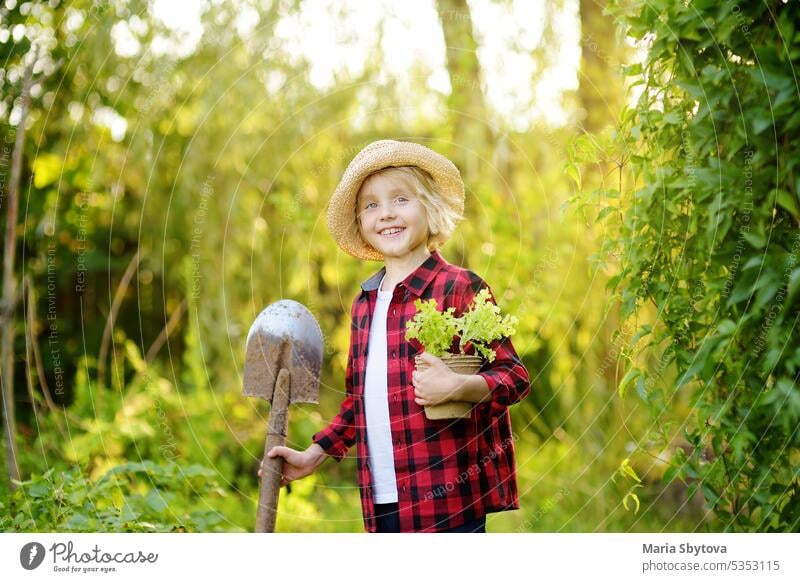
x=284, y=336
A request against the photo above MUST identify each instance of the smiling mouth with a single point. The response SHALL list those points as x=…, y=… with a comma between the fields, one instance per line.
x=391, y=232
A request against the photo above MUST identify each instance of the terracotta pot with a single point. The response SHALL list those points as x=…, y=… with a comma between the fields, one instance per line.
x=461, y=364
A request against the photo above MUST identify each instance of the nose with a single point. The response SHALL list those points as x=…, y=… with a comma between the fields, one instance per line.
x=387, y=212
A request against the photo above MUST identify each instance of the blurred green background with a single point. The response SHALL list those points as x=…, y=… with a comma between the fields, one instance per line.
x=173, y=165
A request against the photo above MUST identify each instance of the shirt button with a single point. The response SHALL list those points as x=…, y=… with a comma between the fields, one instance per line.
x=395, y=397
x=404, y=488
x=394, y=354
x=394, y=311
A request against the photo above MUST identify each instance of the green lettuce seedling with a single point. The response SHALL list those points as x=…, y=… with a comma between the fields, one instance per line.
x=479, y=325
x=433, y=328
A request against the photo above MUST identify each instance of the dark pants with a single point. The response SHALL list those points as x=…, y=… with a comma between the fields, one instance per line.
x=388, y=518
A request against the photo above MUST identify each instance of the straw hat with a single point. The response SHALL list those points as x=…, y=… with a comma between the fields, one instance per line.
x=342, y=218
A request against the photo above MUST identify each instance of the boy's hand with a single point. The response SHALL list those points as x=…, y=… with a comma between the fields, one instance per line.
x=437, y=384
x=296, y=464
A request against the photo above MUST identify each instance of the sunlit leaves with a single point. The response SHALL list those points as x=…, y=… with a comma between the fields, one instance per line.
x=709, y=238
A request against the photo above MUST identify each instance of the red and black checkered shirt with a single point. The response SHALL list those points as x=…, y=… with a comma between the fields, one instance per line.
x=449, y=472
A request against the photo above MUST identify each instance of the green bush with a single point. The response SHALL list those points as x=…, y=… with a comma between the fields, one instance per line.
x=701, y=214
x=133, y=497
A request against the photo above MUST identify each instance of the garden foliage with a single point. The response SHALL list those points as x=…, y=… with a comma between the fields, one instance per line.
x=701, y=214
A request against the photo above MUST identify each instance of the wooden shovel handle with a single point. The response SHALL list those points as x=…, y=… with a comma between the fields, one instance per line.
x=273, y=467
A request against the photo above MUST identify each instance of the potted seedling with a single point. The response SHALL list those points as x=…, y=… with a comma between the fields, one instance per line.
x=478, y=326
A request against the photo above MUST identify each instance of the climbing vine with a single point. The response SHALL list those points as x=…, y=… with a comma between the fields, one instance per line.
x=700, y=211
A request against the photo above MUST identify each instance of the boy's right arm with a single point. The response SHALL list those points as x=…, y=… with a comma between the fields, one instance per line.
x=337, y=438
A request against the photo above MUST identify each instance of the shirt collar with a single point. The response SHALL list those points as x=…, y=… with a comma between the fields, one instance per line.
x=417, y=281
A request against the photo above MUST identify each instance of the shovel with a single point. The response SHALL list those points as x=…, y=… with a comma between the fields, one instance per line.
x=282, y=364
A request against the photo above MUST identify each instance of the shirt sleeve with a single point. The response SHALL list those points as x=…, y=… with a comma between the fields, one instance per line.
x=506, y=375
x=337, y=438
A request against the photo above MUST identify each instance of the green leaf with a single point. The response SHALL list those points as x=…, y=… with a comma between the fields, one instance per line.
x=155, y=501
x=640, y=388
x=38, y=490
x=117, y=498
x=573, y=172
x=78, y=521
x=613, y=282
x=627, y=379
x=726, y=327
x=626, y=470
x=753, y=262
x=646, y=329
x=134, y=356
x=671, y=473
x=635, y=498
x=768, y=286
x=792, y=286
x=710, y=494
x=78, y=496
x=634, y=69
x=788, y=202
x=604, y=212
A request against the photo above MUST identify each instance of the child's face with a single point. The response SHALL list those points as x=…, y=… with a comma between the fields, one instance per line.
x=383, y=202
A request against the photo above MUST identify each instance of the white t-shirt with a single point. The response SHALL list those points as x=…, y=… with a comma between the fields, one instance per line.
x=376, y=405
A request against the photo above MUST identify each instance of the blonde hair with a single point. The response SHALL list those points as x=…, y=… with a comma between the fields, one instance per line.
x=442, y=219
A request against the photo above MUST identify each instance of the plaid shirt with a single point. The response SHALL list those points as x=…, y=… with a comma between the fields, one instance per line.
x=449, y=472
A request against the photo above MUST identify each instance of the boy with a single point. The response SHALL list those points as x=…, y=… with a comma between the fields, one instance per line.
x=398, y=202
